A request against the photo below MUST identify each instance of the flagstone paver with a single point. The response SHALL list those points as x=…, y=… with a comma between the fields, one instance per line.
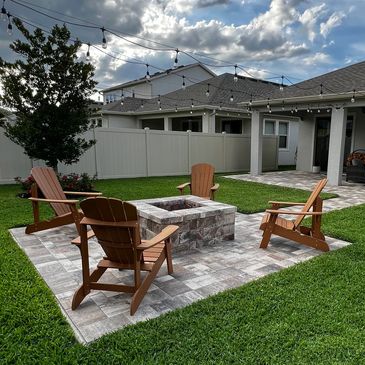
x=197, y=274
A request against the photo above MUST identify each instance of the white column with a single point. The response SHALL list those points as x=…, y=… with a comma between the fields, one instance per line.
x=336, y=147
x=212, y=123
x=205, y=123
x=165, y=123
x=256, y=143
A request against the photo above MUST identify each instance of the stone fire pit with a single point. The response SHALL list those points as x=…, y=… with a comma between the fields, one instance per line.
x=202, y=222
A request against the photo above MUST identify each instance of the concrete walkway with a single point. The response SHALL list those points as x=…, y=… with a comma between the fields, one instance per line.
x=198, y=274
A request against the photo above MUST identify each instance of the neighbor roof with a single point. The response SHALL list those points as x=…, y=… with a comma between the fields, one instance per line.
x=157, y=75
x=220, y=90
x=342, y=81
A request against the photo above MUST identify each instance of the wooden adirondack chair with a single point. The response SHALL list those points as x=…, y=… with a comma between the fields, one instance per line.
x=202, y=181
x=65, y=210
x=116, y=227
x=292, y=230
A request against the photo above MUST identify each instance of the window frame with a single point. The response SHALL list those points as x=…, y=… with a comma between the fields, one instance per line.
x=284, y=135
x=276, y=131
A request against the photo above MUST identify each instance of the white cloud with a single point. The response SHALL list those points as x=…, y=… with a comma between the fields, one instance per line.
x=319, y=58
x=309, y=19
x=333, y=21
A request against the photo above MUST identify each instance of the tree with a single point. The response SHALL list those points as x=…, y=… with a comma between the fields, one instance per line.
x=49, y=89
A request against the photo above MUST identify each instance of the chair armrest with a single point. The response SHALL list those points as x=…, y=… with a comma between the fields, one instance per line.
x=183, y=186
x=272, y=211
x=96, y=222
x=59, y=201
x=273, y=202
x=215, y=187
x=84, y=193
x=162, y=236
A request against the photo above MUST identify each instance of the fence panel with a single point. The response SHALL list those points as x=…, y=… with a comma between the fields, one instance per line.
x=122, y=152
x=168, y=153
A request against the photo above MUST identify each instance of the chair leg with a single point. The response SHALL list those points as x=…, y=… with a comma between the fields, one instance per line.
x=84, y=289
x=143, y=288
x=265, y=238
x=170, y=268
x=268, y=231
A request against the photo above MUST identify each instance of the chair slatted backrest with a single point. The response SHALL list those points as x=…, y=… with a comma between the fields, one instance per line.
x=47, y=182
x=202, y=179
x=312, y=198
x=117, y=242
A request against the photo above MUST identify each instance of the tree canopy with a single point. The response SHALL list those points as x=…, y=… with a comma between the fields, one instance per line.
x=49, y=89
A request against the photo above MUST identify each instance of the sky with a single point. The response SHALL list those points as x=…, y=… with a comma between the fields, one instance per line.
x=295, y=38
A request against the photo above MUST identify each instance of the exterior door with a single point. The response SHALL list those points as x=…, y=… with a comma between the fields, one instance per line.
x=322, y=142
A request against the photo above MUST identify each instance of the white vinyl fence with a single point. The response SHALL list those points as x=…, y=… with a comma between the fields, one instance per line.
x=123, y=152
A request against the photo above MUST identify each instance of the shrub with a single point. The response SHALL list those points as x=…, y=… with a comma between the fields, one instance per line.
x=69, y=182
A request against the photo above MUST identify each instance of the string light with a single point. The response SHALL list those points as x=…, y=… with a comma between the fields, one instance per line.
x=3, y=12
x=268, y=103
x=147, y=72
x=270, y=111
x=176, y=59
x=183, y=86
x=296, y=109
x=191, y=112
x=207, y=93
x=142, y=105
x=133, y=94
x=104, y=45
x=250, y=102
x=159, y=100
x=220, y=106
x=192, y=103
x=283, y=105
x=10, y=27
x=321, y=91
x=175, y=108
x=160, y=108
x=353, y=96
x=122, y=96
x=308, y=110
x=88, y=52
x=235, y=78
x=231, y=98
x=282, y=83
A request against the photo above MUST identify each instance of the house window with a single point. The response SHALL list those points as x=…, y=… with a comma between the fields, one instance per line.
x=156, y=124
x=283, y=134
x=270, y=127
x=232, y=126
x=193, y=124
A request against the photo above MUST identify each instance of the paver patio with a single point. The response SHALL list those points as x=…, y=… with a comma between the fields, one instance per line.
x=197, y=275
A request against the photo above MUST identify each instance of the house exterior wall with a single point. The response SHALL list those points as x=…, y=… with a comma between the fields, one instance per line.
x=160, y=86
x=173, y=81
x=119, y=121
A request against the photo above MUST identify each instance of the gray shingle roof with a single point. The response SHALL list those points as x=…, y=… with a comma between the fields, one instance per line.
x=344, y=80
x=219, y=95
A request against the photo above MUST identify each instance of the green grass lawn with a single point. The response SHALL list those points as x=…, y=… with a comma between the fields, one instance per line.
x=313, y=313
x=249, y=197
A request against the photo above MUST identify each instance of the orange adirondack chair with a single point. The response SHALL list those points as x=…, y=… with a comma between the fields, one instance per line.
x=65, y=210
x=202, y=181
x=116, y=227
x=292, y=230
